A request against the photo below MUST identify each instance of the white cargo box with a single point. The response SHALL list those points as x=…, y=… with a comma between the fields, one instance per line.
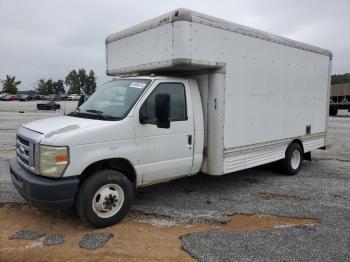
x=259, y=91
x=186, y=37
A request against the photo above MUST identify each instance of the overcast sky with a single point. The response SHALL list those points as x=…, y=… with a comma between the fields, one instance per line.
x=47, y=39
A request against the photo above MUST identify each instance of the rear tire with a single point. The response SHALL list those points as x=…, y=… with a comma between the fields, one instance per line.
x=104, y=198
x=292, y=162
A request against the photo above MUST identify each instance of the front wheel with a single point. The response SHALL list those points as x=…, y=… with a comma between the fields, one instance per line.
x=104, y=198
x=291, y=164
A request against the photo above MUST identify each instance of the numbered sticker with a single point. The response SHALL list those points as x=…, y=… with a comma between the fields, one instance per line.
x=137, y=85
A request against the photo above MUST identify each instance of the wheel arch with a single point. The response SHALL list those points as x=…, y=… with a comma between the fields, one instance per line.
x=306, y=155
x=296, y=141
x=122, y=165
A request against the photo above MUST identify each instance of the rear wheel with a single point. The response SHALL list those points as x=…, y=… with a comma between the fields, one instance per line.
x=291, y=164
x=104, y=198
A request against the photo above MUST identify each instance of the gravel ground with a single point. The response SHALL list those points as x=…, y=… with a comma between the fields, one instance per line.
x=288, y=244
x=27, y=235
x=95, y=240
x=56, y=239
x=319, y=191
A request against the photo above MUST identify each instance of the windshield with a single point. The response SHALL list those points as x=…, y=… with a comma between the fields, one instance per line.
x=114, y=99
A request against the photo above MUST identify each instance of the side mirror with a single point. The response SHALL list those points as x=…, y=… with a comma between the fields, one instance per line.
x=163, y=110
x=82, y=99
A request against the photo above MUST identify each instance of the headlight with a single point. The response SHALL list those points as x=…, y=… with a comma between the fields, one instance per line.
x=53, y=160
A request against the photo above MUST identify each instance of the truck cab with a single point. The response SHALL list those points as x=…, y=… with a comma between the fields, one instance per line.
x=144, y=130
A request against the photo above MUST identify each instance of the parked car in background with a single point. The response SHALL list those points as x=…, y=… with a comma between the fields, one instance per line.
x=36, y=97
x=54, y=97
x=10, y=98
x=73, y=97
x=3, y=95
x=23, y=97
x=26, y=98
x=42, y=97
x=63, y=96
x=48, y=105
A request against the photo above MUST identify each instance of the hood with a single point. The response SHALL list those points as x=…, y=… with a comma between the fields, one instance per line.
x=62, y=124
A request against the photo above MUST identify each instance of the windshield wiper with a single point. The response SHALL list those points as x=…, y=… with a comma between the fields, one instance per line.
x=100, y=113
x=92, y=112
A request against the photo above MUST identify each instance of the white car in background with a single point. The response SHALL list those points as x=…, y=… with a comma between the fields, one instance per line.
x=73, y=97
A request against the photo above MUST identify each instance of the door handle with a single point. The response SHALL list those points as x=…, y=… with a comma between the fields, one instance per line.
x=189, y=139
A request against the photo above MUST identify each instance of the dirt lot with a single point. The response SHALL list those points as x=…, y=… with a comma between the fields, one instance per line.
x=253, y=215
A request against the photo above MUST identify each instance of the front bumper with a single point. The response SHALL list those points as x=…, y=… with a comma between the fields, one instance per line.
x=43, y=192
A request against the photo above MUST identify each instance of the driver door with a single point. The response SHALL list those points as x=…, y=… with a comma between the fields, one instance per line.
x=165, y=153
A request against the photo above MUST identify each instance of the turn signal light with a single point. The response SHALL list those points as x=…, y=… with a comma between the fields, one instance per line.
x=62, y=158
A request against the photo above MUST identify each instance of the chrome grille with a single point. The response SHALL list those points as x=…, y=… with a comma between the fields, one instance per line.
x=25, y=153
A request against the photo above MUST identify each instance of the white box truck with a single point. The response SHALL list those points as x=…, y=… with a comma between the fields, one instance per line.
x=191, y=94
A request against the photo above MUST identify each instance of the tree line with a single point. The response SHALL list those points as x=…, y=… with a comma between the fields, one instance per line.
x=77, y=81
x=341, y=79
x=82, y=82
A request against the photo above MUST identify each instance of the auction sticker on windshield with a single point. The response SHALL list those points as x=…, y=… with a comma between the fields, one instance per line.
x=137, y=85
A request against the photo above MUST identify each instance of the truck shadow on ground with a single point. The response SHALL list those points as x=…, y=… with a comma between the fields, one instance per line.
x=197, y=183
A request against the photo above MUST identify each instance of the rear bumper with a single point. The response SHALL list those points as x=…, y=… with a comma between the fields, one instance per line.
x=43, y=192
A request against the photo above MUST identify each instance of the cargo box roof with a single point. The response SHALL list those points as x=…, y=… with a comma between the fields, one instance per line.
x=192, y=16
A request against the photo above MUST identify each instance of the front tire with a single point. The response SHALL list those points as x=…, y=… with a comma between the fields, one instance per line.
x=292, y=162
x=104, y=198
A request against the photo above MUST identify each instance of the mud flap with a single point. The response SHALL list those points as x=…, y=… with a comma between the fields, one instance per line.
x=307, y=156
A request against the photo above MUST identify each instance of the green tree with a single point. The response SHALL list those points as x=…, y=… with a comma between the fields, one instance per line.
x=81, y=82
x=72, y=80
x=58, y=87
x=44, y=87
x=49, y=86
x=9, y=85
x=90, y=84
x=40, y=87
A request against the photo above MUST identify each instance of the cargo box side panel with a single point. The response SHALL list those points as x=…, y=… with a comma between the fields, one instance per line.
x=272, y=91
x=150, y=46
x=276, y=92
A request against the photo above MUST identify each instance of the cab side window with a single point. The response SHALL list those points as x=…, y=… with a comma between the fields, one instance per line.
x=178, y=110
